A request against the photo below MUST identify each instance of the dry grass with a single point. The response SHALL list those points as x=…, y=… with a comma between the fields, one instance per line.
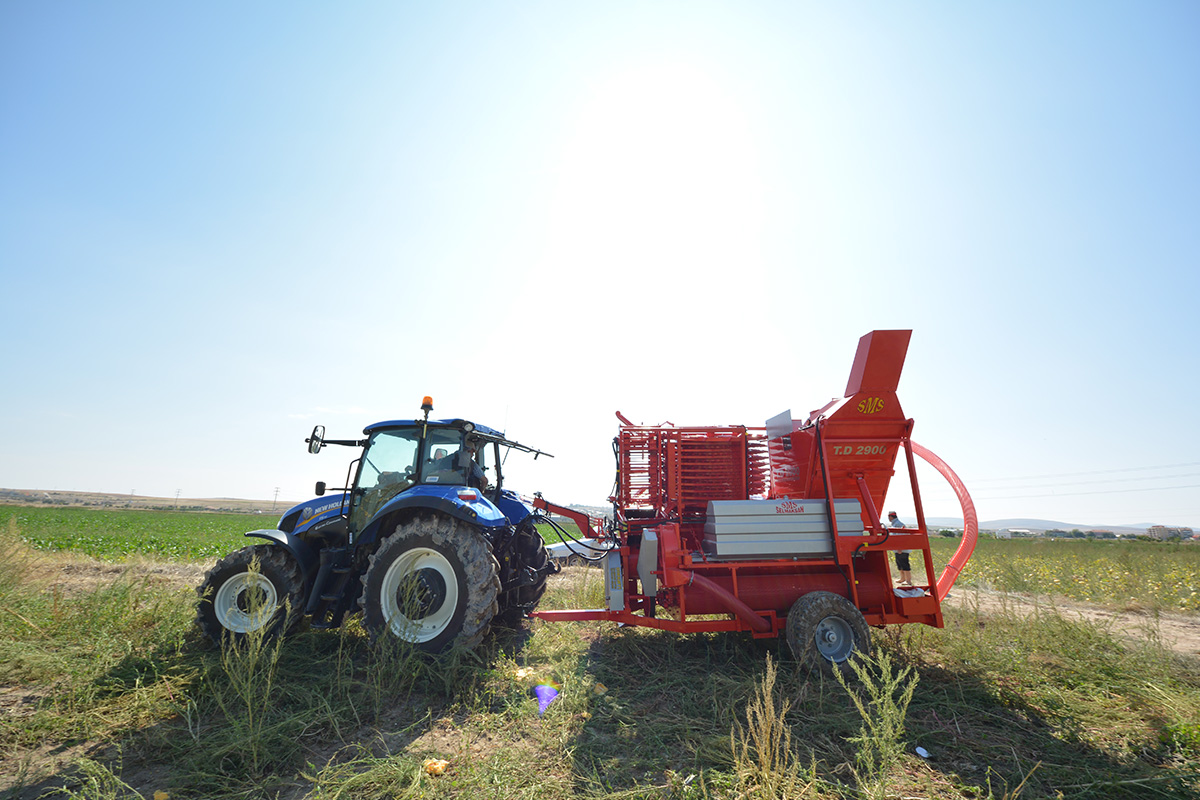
x=1005, y=704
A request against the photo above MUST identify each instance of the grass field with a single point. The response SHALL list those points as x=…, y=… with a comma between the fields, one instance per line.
x=108, y=692
x=1124, y=573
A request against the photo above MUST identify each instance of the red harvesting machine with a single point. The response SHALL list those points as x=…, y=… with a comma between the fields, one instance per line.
x=776, y=528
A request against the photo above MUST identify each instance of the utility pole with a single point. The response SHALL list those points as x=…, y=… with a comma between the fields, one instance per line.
x=177, y=491
x=276, y=500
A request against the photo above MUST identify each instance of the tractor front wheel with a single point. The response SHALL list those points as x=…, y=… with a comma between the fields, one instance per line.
x=433, y=582
x=824, y=630
x=256, y=590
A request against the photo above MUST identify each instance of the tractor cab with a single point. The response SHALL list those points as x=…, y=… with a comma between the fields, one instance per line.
x=446, y=456
x=452, y=466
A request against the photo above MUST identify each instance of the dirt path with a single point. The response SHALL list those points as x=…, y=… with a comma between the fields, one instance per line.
x=1178, y=632
x=82, y=576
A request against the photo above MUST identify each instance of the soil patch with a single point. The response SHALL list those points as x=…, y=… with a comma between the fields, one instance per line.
x=1178, y=632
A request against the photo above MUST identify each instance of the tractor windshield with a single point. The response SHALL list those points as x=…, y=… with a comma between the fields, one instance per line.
x=389, y=466
x=396, y=459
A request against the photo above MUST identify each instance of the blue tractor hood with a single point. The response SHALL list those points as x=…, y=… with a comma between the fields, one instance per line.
x=311, y=512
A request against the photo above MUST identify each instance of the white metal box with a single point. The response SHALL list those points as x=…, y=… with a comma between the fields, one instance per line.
x=777, y=528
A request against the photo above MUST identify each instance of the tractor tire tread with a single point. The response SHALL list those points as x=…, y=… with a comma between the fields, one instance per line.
x=531, y=552
x=479, y=567
x=802, y=621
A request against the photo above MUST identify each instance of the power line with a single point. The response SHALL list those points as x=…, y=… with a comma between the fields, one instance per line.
x=1107, y=480
x=1105, y=491
x=1091, y=472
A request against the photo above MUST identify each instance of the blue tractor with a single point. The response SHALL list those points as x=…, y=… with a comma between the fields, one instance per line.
x=421, y=541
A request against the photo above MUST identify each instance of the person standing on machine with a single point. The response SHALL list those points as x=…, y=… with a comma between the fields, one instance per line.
x=903, y=560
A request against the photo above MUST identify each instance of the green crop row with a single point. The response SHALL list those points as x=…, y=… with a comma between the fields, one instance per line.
x=115, y=535
x=1125, y=573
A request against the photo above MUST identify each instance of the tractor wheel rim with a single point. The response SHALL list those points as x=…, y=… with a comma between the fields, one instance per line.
x=834, y=639
x=245, y=602
x=419, y=595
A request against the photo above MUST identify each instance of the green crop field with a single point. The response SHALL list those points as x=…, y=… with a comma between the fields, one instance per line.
x=107, y=692
x=116, y=535
x=1124, y=573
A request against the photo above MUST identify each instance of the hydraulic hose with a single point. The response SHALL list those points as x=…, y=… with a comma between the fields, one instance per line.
x=970, y=522
x=743, y=612
x=564, y=535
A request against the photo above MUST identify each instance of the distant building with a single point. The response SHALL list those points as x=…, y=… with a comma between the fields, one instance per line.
x=1008, y=533
x=1162, y=532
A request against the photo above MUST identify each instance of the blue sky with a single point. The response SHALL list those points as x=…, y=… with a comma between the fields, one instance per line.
x=222, y=224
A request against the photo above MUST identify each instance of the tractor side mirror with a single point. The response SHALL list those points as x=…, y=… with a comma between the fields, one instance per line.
x=320, y=488
x=316, y=441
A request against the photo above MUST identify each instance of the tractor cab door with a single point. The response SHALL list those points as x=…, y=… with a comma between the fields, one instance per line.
x=389, y=465
x=444, y=460
x=454, y=457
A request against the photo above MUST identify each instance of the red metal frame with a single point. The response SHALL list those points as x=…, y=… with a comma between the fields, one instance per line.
x=668, y=474
x=588, y=527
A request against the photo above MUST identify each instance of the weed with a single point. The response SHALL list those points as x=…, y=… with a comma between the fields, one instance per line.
x=1183, y=738
x=764, y=760
x=97, y=782
x=1014, y=793
x=394, y=666
x=368, y=776
x=248, y=664
x=881, y=699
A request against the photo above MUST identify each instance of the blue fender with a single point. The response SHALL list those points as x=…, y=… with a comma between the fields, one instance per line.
x=513, y=507
x=443, y=499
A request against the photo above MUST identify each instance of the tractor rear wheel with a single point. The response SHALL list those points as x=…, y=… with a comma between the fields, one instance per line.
x=824, y=630
x=434, y=583
x=528, y=552
x=258, y=590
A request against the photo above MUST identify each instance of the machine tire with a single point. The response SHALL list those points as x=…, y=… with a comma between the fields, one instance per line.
x=227, y=606
x=436, y=566
x=528, y=550
x=824, y=630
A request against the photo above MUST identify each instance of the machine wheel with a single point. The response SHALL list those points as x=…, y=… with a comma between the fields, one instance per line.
x=257, y=588
x=434, y=583
x=824, y=630
x=528, y=550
